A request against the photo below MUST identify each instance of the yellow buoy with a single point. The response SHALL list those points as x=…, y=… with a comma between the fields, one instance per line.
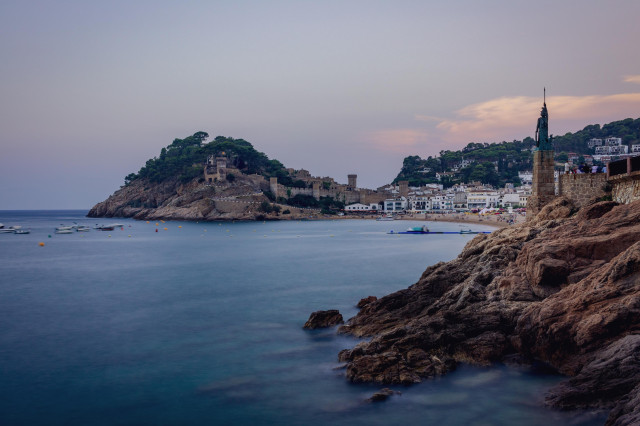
x=129, y=236
x=179, y=226
x=41, y=244
x=109, y=236
x=165, y=229
x=147, y=221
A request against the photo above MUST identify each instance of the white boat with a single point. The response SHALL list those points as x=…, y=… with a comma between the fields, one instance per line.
x=22, y=231
x=64, y=228
x=385, y=218
x=9, y=230
x=64, y=231
x=82, y=228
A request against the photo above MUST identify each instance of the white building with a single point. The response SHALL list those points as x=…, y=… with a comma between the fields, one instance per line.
x=635, y=148
x=594, y=142
x=613, y=141
x=510, y=200
x=357, y=207
x=481, y=200
x=526, y=177
x=395, y=204
x=619, y=149
x=420, y=204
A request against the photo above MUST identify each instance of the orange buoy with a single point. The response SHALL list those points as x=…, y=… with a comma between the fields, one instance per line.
x=165, y=229
x=41, y=244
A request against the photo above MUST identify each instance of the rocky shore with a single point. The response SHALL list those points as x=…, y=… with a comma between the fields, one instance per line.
x=194, y=200
x=562, y=288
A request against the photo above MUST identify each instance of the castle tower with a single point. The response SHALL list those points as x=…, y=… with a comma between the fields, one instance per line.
x=542, y=186
x=404, y=188
x=316, y=189
x=352, y=181
x=273, y=186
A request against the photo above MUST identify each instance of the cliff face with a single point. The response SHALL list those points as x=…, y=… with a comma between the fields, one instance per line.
x=563, y=288
x=171, y=199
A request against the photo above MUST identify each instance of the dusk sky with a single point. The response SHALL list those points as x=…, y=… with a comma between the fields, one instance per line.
x=90, y=90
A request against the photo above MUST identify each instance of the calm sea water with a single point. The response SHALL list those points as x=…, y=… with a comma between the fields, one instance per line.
x=201, y=323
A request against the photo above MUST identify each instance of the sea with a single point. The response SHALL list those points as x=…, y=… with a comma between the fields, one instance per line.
x=187, y=323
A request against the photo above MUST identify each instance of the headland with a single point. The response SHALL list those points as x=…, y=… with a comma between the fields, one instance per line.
x=562, y=288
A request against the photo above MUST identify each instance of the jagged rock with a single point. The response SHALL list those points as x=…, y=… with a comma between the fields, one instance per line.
x=323, y=319
x=365, y=301
x=562, y=288
x=382, y=395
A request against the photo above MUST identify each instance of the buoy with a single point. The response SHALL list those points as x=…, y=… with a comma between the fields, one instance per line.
x=41, y=244
x=147, y=221
x=179, y=226
x=165, y=229
x=49, y=235
x=156, y=229
x=109, y=236
x=157, y=224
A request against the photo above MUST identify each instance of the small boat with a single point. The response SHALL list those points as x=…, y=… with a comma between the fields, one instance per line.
x=82, y=228
x=63, y=231
x=64, y=228
x=418, y=230
x=10, y=230
x=385, y=218
x=22, y=231
x=104, y=228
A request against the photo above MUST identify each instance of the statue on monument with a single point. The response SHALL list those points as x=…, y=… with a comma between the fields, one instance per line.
x=543, y=141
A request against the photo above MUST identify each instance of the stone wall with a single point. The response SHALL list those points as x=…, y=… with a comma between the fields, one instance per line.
x=583, y=188
x=625, y=190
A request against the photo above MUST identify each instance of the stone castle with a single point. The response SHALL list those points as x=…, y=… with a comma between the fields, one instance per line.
x=217, y=168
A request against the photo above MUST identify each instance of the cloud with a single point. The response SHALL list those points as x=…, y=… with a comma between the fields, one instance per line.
x=397, y=140
x=508, y=118
x=632, y=78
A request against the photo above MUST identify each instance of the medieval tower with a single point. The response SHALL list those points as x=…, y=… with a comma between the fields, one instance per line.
x=543, y=186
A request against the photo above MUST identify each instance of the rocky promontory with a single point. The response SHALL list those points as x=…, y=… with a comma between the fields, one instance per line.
x=172, y=199
x=562, y=288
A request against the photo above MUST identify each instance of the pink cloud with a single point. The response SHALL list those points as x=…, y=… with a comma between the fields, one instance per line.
x=632, y=78
x=508, y=118
x=397, y=140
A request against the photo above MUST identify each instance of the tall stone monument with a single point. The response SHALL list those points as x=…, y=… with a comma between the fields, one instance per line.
x=543, y=185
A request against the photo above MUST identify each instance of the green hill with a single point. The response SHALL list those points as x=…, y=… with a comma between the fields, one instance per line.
x=184, y=159
x=498, y=163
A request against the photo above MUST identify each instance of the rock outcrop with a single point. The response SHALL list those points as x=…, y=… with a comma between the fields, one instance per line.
x=562, y=288
x=194, y=200
x=324, y=319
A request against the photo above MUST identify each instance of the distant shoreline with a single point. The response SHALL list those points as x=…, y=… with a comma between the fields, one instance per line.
x=495, y=221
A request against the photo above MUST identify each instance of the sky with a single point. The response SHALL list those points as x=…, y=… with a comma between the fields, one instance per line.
x=90, y=90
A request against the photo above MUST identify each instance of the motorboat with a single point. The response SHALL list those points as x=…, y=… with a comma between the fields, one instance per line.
x=418, y=230
x=385, y=218
x=82, y=228
x=22, y=231
x=10, y=230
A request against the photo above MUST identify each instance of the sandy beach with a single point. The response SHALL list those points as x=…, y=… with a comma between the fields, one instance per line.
x=496, y=220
